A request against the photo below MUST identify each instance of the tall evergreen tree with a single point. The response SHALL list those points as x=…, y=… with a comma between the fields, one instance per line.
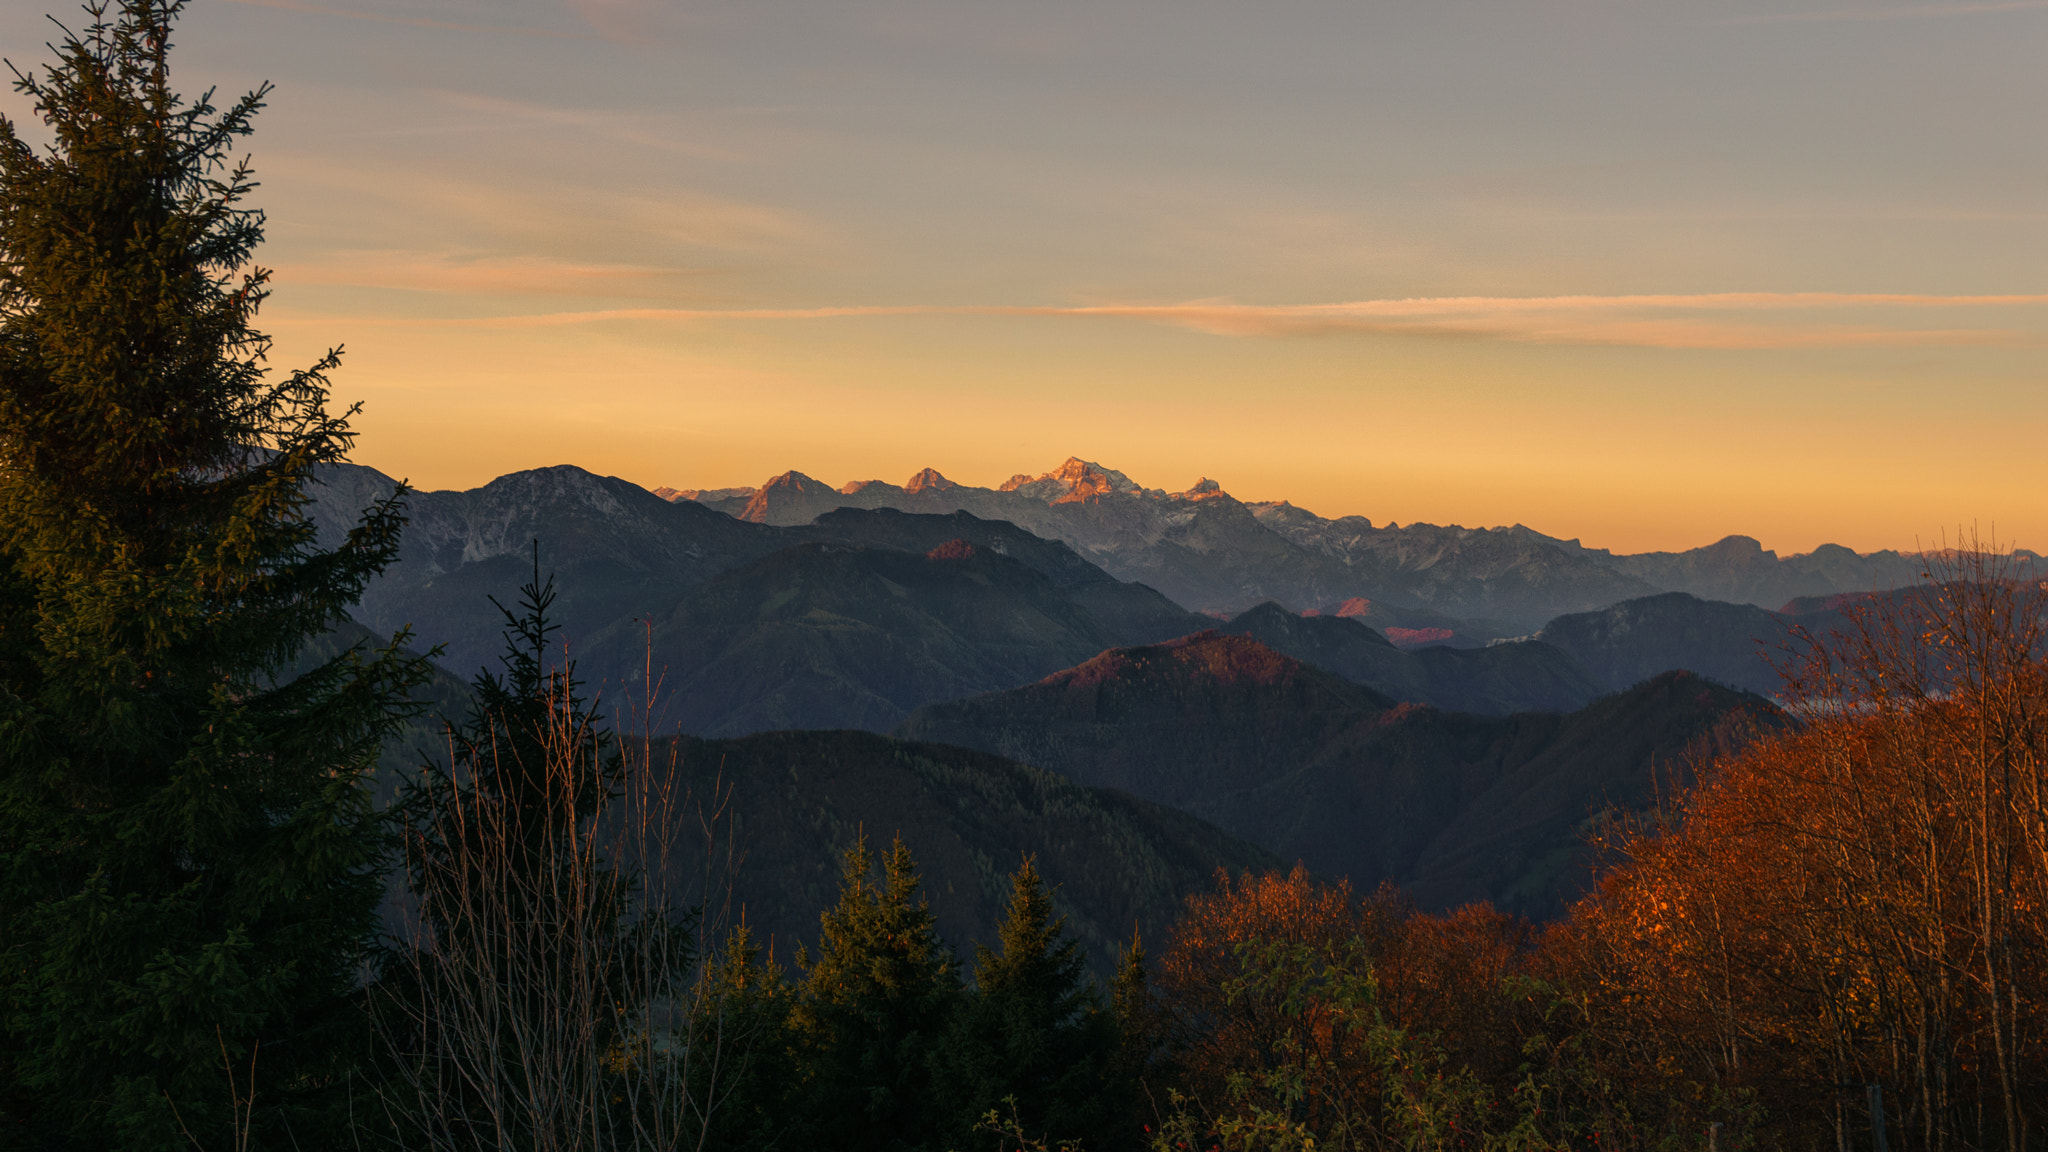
x=189, y=857
x=1033, y=1040
x=1139, y=1063
x=876, y=1002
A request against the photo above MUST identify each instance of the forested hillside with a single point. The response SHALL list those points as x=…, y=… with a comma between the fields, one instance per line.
x=789, y=805
x=1458, y=807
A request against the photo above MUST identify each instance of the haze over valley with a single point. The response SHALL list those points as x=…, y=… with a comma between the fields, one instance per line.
x=1474, y=694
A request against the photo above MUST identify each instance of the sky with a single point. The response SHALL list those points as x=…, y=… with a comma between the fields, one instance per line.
x=1640, y=272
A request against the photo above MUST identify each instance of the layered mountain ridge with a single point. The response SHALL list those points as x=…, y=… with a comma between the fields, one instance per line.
x=1288, y=756
x=1213, y=553
x=857, y=605
x=991, y=619
x=856, y=616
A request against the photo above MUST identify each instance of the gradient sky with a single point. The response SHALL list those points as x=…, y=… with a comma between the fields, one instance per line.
x=1644, y=273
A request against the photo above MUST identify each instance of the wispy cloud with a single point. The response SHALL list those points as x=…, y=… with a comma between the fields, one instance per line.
x=1916, y=12
x=1774, y=320
x=481, y=215
x=612, y=124
x=454, y=272
x=412, y=21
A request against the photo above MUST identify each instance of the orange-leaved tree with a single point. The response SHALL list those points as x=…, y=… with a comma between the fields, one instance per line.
x=1858, y=902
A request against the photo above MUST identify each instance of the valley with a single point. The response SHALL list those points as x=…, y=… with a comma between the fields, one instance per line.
x=1452, y=710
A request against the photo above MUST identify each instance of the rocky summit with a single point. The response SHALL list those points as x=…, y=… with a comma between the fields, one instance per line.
x=1425, y=583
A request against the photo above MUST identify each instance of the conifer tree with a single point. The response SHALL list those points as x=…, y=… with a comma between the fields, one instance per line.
x=1032, y=1040
x=742, y=1080
x=532, y=748
x=1141, y=1030
x=876, y=1002
x=189, y=857
x=509, y=1000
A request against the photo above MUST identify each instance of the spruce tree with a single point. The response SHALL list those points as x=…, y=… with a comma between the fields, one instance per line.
x=876, y=1003
x=1141, y=1034
x=533, y=752
x=741, y=1081
x=1032, y=1042
x=189, y=857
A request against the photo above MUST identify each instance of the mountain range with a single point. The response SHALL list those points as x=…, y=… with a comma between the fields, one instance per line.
x=783, y=607
x=1213, y=553
x=846, y=635
x=851, y=620
x=1506, y=676
x=619, y=554
x=1322, y=706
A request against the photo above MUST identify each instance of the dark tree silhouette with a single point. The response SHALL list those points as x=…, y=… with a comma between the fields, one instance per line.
x=190, y=851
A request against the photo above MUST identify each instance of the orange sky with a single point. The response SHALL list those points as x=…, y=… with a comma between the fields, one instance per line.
x=1645, y=273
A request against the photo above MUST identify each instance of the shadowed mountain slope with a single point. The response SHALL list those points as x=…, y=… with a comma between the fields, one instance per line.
x=795, y=801
x=1133, y=613
x=1192, y=723
x=1507, y=676
x=1305, y=764
x=443, y=697
x=833, y=635
x=1522, y=840
x=1732, y=643
x=1513, y=676
x=615, y=549
x=620, y=552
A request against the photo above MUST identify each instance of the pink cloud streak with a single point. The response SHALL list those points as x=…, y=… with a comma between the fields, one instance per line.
x=1585, y=320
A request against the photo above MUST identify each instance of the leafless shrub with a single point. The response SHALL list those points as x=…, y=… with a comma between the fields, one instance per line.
x=554, y=985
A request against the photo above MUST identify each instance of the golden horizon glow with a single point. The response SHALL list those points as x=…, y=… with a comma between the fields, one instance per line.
x=1643, y=275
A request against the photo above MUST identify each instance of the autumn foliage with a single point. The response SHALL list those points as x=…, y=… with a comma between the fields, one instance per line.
x=1860, y=901
x=1839, y=926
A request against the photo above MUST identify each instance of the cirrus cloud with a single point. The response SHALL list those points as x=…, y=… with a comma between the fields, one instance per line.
x=1728, y=320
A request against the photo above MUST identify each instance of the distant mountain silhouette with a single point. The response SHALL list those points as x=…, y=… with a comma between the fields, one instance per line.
x=1636, y=639
x=839, y=635
x=1312, y=767
x=615, y=549
x=864, y=655
x=1738, y=569
x=1737, y=644
x=1511, y=676
x=621, y=553
x=1212, y=553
